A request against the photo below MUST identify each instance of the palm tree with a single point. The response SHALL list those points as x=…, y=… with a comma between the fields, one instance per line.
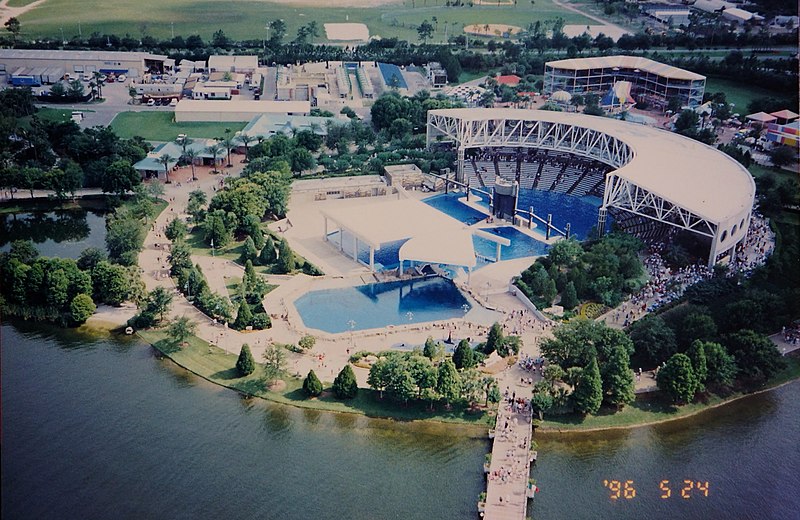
x=190, y=155
x=98, y=84
x=229, y=145
x=165, y=160
x=215, y=149
x=246, y=140
x=184, y=142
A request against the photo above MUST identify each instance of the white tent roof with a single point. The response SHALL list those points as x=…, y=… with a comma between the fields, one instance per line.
x=433, y=236
x=685, y=172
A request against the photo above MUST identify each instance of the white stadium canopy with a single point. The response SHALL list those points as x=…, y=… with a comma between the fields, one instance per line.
x=658, y=174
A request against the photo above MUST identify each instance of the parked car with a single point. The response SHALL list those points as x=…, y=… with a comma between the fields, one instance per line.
x=121, y=78
x=173, y=103
x=151, y=103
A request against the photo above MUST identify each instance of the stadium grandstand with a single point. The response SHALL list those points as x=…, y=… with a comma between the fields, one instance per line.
x=651, y=82
x=653, y=183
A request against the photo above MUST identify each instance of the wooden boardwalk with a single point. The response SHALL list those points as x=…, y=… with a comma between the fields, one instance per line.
x=509, y=469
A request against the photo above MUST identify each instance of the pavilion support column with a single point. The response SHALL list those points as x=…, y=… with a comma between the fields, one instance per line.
x=712, y=254
x=355, y=249
x=341, y=235
x=498, y=251
x=469, y=275
x=460, y=165
x=325, y=236
x=601, y=221
x=372, y=258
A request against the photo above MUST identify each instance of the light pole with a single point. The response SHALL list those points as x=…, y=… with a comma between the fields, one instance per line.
x=352, y=324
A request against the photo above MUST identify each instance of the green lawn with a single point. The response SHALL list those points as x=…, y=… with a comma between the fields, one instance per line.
x=159, y=126
x=245, y=19
x=19, y=3
x=740, y=94
x=217, y=366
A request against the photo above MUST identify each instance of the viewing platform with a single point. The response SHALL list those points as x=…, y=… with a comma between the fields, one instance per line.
x=508, y=471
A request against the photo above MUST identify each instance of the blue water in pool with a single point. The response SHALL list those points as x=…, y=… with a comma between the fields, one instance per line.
x=387, y=257
x=580, y=212
x=521, y=244
x=448, y=204
x=380, y=304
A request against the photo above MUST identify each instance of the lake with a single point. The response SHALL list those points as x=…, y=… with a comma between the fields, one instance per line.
x=101, y=427
x=59, y=233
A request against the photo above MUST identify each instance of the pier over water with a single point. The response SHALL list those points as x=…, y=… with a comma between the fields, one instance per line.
x=507, y=489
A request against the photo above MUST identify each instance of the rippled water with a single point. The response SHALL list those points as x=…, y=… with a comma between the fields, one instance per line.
x=97, y=428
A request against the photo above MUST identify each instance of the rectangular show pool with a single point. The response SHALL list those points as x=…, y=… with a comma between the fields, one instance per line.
x=521, y=245
x=449, y=204
x=378, y=305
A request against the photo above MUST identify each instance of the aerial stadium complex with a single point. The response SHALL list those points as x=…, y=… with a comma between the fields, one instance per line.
x=651, y=182
x=650, y=80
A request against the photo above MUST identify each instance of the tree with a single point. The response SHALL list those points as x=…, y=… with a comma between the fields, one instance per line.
x=124, y=237
x=618, y=385
x=190, y=156
x=244, y=318
x=75, y=89
x=379, y=376
x=463, y=356
x=495, y=338
x=286, y=262
x=425, y=31
x=24, y=251
x=274, y=362
x=431, y=349
x=180, y=329
x=215, y=149
x=312, y=386
x=176, y=229
x=197, y=199
x=216, y=229
x=81, y=308
x=57, y=288
x=111, y=283
x=307, y=342
x=165, y=160
x=721, y=367
x=246, y=140
x=345, y=386
x=782, y=156
x=677, y=378
x=588, y=394
x=268, y=254
x=448, y=382
x=90, y=257
x=159, y=300
x=228, y=144
x=278, y=28
x=756, y=356
x=697, y=355
x=653, y=339
x=553, y=373
x=569, y=299
x=541, y=401
x=249, y=251
x=251, y=225
x=245, y=365
x=13, y=26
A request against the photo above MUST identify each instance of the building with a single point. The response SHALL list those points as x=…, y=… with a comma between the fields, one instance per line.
x=151, y=166
x=659, y=178
x=786, y=134
x=509, y=80
x=437, y=76
x=406, y=175
x=652, y=82
x=267, y=125
x=235, y=110
x=244, y=64
x=77, y=63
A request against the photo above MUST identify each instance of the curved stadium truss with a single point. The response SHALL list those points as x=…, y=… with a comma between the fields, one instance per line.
x=656, y=175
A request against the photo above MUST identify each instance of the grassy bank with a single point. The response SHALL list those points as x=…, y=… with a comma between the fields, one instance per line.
x=218, y=366
x=650, y=409
x=740, y=94
x=159, y=126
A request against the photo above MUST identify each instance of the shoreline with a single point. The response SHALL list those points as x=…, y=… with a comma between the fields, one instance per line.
x=543, y=430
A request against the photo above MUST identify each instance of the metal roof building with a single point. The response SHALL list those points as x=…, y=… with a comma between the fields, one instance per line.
x=652, y=81
x=657, y=174
x=134, y=64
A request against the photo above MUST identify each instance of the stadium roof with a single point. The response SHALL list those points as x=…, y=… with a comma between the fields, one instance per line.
x=683, y=171
x=626, y=62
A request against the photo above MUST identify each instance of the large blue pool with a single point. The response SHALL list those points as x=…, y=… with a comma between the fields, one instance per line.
x=392, y=75
x=380, y=304
x=449, y=204
x=521, y=244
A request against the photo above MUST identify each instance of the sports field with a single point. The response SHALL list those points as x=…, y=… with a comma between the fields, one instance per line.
x=247, y=19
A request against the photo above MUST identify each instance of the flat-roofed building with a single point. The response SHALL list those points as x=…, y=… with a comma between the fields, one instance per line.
x=650, y=80
x=235, y=110
x=76, y=63
x=223, y=63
